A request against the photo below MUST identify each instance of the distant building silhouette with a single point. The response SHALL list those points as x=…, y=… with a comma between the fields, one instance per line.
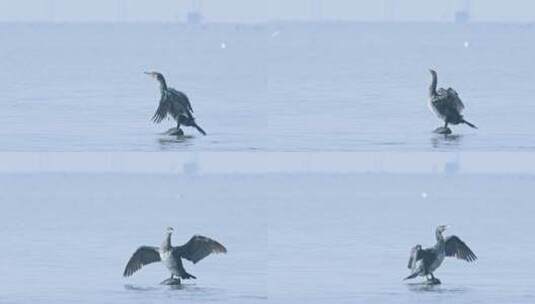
x=195, y=16
x=463, y=14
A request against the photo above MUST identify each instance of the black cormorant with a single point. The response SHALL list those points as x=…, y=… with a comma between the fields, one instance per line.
x=176, y=104
x=447, y=105
x=423, y=262
x=196, y=249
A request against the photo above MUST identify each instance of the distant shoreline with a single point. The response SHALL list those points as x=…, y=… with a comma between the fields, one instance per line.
x=270, y=23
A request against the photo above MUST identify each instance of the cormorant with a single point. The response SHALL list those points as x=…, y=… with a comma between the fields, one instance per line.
x=423, y=262
x=176, y=104
x=196, y=249
x=447, y=105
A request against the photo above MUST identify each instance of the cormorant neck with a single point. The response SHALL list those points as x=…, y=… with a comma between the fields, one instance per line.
x=163, y=85
x=439, y=236
x=167, y=242
x=433, y=86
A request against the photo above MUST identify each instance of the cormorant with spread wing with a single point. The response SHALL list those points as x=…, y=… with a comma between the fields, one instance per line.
x=446, y=105
x=423, y=262
x=176, y=104
x=196, y=249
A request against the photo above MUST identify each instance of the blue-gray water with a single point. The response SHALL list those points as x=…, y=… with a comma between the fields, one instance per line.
x=67, y=237
x=292, y=238
x=275, y=87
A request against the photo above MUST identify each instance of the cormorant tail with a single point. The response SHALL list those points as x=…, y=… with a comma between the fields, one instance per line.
x=190, y=122
x=196, y=126
x=469, y=124
x=412, y=276
x=187, y=276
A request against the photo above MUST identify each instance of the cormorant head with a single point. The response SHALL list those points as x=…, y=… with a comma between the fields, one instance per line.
x=156, y=75
x=442, y=228
x=169, y=230
x=433, y=72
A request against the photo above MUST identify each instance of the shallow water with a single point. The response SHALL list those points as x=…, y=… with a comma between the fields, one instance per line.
x=347, y=237
x=70, y=236
x=292, y=238
x=274, y=87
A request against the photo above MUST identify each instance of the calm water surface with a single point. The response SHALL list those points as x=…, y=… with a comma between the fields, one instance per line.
x=346, y=238
x=292, y=238
x=68, y=237
x=274, y=87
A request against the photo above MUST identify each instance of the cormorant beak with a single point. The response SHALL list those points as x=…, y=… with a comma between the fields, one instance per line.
x=151, y=74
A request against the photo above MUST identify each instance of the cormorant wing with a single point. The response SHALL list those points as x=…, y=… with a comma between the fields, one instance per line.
x=415, y=256
x=448, y=100
x=454, y=97
x=198, y=247
x=182, y=98
x=162, y=110
x=457, y=248
x=144, y=255
x=443, y=104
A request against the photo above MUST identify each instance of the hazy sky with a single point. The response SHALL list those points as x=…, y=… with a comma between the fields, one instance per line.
x=260, y=10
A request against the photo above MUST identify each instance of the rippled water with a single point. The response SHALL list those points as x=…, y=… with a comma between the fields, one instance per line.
x=335, y=234
x=364, y=86
x=67, y=237
x=292, y=238
x=275, y=87
x=346, y=238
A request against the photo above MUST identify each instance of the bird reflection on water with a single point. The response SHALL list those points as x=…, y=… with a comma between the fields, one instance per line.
x=183, y=291
x=138, y=288
x=446, y=141
x=170, y=142
x=431, y=288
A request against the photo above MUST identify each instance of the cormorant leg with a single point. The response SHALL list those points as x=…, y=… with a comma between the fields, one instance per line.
x=178, y=131
x=167, y=281
x=443, y=130
x=434, y=280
